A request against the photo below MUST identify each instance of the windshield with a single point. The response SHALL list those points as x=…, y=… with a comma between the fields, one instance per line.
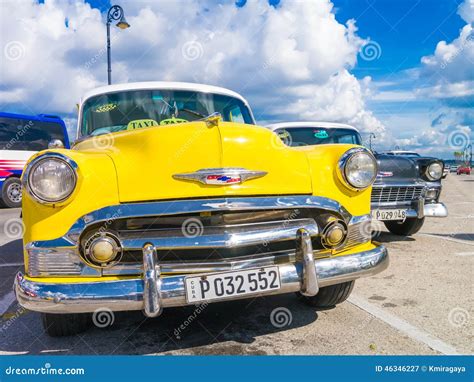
x=29, y=135
x=131, y=110
x=304, y=136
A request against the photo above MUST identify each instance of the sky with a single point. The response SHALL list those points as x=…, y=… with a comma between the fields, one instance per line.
x=401, y=70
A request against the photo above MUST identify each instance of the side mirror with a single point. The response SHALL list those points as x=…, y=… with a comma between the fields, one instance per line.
x=55, y=144
x=213, y=119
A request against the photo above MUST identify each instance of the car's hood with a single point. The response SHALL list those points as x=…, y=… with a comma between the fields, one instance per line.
x=146, y=161
x=396, y=169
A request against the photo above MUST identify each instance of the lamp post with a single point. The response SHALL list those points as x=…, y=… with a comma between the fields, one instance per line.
x=115, y=13
x=371, y=135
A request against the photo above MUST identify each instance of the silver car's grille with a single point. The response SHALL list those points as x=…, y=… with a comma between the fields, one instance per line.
x=392, y=194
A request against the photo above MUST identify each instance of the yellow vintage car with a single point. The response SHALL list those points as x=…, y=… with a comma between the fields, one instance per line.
x=172, y=196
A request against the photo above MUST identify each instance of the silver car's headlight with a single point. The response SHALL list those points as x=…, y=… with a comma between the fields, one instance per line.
x=51, y=178
x=434, y=171
x=358, y=168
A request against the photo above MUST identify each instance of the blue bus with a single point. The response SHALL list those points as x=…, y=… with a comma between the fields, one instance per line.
x=20, y=137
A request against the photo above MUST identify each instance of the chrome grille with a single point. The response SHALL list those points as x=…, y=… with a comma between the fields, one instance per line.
x=54, y=263
x=393, y=194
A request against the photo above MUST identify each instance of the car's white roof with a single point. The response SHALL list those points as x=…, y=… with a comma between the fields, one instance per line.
x=325, y=125
x=162, y=85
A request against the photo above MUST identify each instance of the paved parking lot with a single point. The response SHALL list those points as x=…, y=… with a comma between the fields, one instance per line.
x=422, y=304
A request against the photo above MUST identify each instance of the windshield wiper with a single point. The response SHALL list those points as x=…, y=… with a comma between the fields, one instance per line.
x=193, y=112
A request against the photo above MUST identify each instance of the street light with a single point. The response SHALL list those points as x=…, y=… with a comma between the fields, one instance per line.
x=371, y=135
x=115, y=13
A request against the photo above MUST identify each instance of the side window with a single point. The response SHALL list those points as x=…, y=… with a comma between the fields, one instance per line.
x=348, y=138
x=235, y=115
x=11, y=134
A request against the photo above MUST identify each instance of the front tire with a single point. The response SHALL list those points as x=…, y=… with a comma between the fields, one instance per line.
x=406, y=228
x=330, y=296
x=11, y=193
x=61, y=325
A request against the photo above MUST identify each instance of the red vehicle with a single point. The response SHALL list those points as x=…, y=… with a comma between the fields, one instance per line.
x=463, y=170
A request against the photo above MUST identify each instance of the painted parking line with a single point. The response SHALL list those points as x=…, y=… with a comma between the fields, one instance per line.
x=464, y=254
x=7, y=265
x=442, y=237
x=403, y=326
x=6, y=301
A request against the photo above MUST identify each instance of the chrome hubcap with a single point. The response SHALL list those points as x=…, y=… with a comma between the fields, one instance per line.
x=14, y=192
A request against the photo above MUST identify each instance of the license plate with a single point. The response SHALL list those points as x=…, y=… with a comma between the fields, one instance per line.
x=398, y=214
x=230, y=284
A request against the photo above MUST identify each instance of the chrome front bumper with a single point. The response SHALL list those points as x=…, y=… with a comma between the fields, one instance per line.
x=154, y=291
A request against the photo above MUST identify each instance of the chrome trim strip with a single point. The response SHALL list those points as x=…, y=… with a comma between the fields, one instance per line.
x=127, y=294
x=177, y=207
x=225, y=236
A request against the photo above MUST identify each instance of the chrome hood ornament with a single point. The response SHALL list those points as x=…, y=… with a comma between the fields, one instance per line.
x=220, y=176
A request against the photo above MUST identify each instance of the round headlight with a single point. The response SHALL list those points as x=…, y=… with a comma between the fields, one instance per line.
x=51, y=180
x=434, y=171
x=358, y=167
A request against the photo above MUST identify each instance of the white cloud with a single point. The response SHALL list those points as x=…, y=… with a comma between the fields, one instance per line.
x=291, y=62
x=449, y=72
